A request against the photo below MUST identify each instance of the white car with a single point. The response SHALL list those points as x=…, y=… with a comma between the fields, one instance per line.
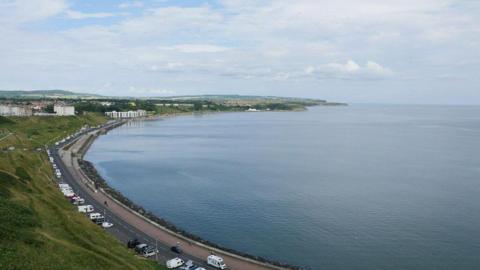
x=107, y=225
x=85, y=208
x=95, y=216
x=78, y=200
x=174, y=263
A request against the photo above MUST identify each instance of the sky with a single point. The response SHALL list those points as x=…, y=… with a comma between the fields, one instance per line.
x=356, y=51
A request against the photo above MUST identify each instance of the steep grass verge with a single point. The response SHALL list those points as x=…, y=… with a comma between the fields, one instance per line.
x=39, y=229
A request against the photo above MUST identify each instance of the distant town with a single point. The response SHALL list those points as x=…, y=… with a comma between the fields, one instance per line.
x=64, y=103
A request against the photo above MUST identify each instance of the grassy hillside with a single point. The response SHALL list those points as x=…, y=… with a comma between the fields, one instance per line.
x=42, y=93
x=39, y=229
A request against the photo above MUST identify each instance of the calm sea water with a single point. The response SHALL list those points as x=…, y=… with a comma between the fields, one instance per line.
x=358, y=187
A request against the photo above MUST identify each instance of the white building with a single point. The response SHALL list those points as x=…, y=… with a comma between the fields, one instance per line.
x=128, y=114
x=106, y=103
x=64, y=110
x=15, y=110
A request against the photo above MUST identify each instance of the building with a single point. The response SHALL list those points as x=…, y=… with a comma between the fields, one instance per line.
x=15, y=110
x=128, y=114
x=174, y=105
x=106, y=103
x=64, y=110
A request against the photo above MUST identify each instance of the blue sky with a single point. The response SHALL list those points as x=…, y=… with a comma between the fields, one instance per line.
x=375, y=51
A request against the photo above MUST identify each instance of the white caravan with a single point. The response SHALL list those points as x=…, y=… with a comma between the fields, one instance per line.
x=216, y=262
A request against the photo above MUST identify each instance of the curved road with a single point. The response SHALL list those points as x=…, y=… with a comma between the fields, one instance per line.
x=128, y=224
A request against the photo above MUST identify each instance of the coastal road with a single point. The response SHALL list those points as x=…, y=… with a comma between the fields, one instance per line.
x=121, y=230
x=129, y=225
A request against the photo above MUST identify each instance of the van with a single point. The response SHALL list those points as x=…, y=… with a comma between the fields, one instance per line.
x=62, y=185
x=85, y=208
x=174, y=263
x=216, y=262
x=58, y=174
x=51, y=159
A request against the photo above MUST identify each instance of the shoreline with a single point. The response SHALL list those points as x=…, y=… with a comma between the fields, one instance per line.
x=87, y=169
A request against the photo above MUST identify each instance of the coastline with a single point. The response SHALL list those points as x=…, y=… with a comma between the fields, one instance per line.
x=88, y=170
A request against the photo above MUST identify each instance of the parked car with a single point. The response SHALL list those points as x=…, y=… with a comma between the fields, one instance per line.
x=133, y=243
x=69, y=194
x=77, y=200
x=176, y=249
x=85, y=208
x=106, y=225
x=174, y=263
x=99, y=220
x=93, y=216
x=149, y=251
x=189, y=265
x=63, y=185
x=216, y=262
x=139, y=248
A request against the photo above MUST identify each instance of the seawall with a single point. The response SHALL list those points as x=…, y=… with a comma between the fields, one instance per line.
x=96, y=182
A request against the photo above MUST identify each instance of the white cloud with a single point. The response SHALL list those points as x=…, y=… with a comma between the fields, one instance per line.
x=349, y=67
x=349, y=70
x=195, y=48
x=76, y=15
x=250, y=43
x=377, y=69
x=131, y=4
x=20, y=11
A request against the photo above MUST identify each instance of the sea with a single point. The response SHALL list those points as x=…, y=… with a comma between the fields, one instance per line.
x=332, y=187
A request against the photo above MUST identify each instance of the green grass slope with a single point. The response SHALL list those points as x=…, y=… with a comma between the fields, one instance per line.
x=39, y=229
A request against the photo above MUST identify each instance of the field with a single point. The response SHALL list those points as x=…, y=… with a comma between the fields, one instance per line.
x=39, y=229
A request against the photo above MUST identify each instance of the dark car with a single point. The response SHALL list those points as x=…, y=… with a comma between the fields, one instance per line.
x=133, y=243
x=176, y=249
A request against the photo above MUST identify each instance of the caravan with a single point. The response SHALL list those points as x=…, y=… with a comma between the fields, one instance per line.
x=216, y=262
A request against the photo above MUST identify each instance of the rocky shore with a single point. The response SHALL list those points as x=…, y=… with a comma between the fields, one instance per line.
x=91, y=172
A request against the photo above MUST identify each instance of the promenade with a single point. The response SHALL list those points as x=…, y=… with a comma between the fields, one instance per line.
x=129, y=224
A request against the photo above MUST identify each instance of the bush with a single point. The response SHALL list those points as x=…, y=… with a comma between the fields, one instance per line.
x=22, y=173
x=4, y=120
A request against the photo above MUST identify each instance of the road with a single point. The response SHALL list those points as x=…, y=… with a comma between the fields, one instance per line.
x=129, y=225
